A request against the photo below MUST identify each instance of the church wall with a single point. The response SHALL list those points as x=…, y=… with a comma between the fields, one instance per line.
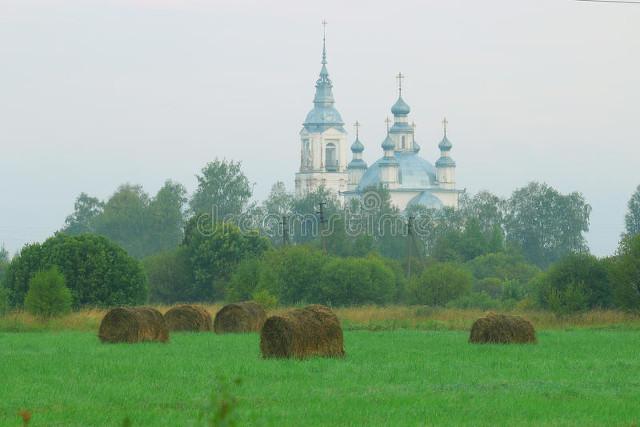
x=400, y=199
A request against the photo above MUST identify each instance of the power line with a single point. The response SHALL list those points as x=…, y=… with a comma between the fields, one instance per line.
x=612, y=1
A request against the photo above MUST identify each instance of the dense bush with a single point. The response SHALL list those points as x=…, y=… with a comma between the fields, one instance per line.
x=169, y=277
x=97, y=271
x=4, y=299
x=478, y=300
x=214, y=251
x=491, y=286
x=439, y=284
x=502, y=266
x=355, y=281
x=48, y=296
x=577, y=282
x=625, y=274
x=301, y=274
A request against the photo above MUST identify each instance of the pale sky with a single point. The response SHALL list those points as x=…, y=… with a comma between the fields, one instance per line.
x=94, y=94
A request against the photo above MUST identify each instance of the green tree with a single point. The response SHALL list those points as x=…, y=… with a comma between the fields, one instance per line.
x=439, y=284
x=123, y=219
x=214, y=250
x=245, y=279
x=141, y=225
x=165, y=219
x=576, y=282
x=355, y=281
x=170, y=278
x=277, y=207
x=97, y=271
x=223, y=190
x=4, y=262
x=486, y=208
x=4, y=292
x=502, y=266
x=625, y=274
x=280, y=201
x=632, y=218
x=545, y=224
x=48, y=296
x=85, y=210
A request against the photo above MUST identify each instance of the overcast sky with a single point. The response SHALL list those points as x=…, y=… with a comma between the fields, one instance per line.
x=94, y=94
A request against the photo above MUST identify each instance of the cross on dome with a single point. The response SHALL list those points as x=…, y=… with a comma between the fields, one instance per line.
x=400, y=76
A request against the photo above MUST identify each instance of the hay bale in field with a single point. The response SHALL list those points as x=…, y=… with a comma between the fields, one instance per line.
x=188, y=318
x=502, y=329
x=245, y=316
x=301, y=333
x=132, y=325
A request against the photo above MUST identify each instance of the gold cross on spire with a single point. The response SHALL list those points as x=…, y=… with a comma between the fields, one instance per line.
x=400, y=76
x=387, y=121
x=445, y=122
x=357, y=126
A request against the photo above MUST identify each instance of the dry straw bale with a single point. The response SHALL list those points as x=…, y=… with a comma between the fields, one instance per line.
x=502, y=329
x=245, y=316
x=188, y=318
x=132, y=325
x=301, y=333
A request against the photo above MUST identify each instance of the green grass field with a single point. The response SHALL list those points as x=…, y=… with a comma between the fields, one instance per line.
x=575, y=377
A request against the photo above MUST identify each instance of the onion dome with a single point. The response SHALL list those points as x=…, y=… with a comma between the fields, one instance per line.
x=357, y=146
x=388, y=144
x=445, y=144
x=400, y=108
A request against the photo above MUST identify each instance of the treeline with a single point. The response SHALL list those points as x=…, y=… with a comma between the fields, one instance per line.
x=536, y=221
x=526, y=251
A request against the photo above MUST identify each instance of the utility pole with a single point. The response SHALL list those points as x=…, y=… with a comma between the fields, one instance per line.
x=409, y=244
x=323, y=221
x=285, y=230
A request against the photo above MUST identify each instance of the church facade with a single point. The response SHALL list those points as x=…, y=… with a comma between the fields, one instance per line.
x=410, y=179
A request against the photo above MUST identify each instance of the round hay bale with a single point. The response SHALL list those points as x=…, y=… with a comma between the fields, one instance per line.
x=245, y=316
x=188, y=318
x=502, y=329
x=133, y=325
x=301, y=333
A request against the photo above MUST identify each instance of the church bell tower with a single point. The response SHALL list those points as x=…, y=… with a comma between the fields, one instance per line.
x=323, y=140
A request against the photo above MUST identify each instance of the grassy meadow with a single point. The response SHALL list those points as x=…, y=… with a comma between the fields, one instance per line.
x=404, y=366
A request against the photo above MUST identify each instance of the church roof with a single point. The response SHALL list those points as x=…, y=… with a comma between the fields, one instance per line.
x=414, y=172
x=400, y=108
x=445, y=144
x=427, y=200
x=445, y=161
x=388, y=144
x=357, y=146
x=357, y=164
x=324, y=115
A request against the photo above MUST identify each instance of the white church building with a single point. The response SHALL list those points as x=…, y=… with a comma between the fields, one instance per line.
x=409, y=178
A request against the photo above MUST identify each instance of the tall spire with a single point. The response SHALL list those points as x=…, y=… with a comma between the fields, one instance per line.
x=324, y=95
x=324, y=42
x=445, y=122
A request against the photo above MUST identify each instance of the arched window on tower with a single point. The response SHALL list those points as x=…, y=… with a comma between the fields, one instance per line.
x=403, y=142
x=331, y=160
